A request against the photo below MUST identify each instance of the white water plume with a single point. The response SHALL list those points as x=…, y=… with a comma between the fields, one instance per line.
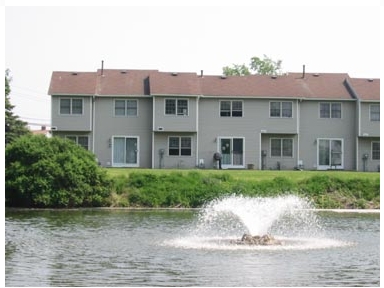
x=290, y=219
x=258, y=216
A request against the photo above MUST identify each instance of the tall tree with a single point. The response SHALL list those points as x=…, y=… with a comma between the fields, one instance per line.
x=261, y=66
x=14, y=127
x=236, y=70
x=265, y=66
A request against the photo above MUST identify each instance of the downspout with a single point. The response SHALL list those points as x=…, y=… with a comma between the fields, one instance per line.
x=93, y=122
x=153, y=132
x=260, y=164
x=358, y=121
x=298, y=129
x=197, y=130
x=358, y=132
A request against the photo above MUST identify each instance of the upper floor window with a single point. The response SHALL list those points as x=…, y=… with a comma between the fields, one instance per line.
x=374, y=111
x=330, y=110
x=280, y=109
x=231, y=108
x=80, y=140
x=176, y=107
x=72, y=106
x=281, y=147
x=375, y=150
x=180, y=146
x=125, y=107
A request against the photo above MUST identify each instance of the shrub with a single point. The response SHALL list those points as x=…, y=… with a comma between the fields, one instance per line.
x=53, y=172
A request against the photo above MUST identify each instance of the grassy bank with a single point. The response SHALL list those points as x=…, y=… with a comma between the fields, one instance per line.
x=192, y=188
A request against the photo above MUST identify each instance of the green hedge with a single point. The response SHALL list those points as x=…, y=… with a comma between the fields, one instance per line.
x=193, y=189
x=53, y=172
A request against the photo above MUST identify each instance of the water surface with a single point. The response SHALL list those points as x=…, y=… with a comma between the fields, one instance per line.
x=168, y=248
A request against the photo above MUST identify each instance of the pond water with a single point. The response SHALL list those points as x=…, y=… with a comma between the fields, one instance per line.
x=122, y=247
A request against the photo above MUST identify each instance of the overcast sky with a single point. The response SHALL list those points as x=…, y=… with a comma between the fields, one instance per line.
x=337, y=37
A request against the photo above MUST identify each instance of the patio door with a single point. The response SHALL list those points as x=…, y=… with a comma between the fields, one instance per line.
x=232, y=152
x=330, y=154
x=125, y=151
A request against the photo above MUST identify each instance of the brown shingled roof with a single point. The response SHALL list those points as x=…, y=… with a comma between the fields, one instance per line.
x=366, y=89
x=252, y=85
x=163, y=83
x=72, y=83
x=323, y=86
x=122, y=82
x=114, y=82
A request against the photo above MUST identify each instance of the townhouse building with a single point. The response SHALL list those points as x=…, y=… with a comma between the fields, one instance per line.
x=153, y=119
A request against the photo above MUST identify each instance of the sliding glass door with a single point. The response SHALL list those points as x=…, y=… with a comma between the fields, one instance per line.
x=330, y=154
x=231, y=149
x=125, y=151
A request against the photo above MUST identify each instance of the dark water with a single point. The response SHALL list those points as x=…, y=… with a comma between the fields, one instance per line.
x=159, y=248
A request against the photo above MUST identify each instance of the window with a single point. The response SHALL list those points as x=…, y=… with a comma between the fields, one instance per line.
x=72, y=106
x=374, y=111
x=280, y=109
x=231, y=108
x=80, y=140
x=125, y=107
x=176, y=107
x=330, y=110
x=180, y=146
x=281, y=147
x=375, y=150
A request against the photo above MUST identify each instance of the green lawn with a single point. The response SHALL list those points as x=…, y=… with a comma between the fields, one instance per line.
x=253, y=175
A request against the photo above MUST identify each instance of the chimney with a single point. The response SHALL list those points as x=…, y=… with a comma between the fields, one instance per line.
x=201, y=73
x=303, y=72
x=102, y=67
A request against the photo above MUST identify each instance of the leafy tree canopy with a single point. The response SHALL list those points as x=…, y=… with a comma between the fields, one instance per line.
x=14, y=127
x=52, y=172
x=261, y=66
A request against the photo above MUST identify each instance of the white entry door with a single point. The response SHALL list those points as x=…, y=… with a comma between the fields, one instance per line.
x=330, y=154
x=125, y=151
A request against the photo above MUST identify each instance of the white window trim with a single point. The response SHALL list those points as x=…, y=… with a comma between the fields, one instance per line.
x=372, y=150
x=175, y=115
x=281, y=110
x=70, y=106
x=281, y=148
x=370, y=115
x=327, y=167
x=125, y=108
x=231, y=108
x=77, y=138
x=224, y=166
x=330, y=107
x=137, y=164
x=176, y=136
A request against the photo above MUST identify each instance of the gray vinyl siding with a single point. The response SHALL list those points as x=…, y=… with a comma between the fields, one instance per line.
x=107, y=125
x=282, y=162
x=365, y=147
x=169, y=161
x=71, y=122
x=256, y=118
x=205, y=126
x=175, y=123
x=368, y=127
x=312, y=127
